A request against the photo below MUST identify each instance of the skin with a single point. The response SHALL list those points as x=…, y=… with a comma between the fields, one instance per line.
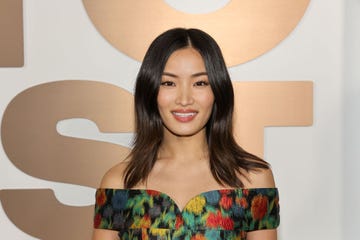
x=183, y=157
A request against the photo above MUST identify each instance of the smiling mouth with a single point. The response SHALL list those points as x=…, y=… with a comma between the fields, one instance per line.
x=184, y=116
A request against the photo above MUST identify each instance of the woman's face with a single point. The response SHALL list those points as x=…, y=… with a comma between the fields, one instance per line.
x=185, y=98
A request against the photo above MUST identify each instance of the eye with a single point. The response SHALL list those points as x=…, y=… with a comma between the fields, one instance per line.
x=168, y=83
x=201, y=83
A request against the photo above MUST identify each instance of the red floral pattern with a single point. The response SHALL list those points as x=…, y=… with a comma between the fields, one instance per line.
x=259, y=207
x=97, y=220
x=242, y=202
x=100, y=197
x=226, y=202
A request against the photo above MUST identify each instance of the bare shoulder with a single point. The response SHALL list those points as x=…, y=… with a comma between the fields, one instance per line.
x=114, y=177
x=259, y=178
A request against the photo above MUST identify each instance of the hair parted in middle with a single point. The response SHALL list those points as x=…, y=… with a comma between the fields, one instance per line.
x=227, y=158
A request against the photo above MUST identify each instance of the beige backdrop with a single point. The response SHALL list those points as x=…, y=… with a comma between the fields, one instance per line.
x=28, y=129
x=244, y=29
x=11, y=33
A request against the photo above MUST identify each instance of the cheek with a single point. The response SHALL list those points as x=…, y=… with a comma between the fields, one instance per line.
x=207, y=101
x=163, y=100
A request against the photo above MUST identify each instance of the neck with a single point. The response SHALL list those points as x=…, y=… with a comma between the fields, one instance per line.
x=184, y=148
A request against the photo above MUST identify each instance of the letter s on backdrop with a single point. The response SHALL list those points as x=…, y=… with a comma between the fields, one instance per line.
x=31, y=142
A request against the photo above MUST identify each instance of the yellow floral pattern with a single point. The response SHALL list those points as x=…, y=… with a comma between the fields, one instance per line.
x=196, y=205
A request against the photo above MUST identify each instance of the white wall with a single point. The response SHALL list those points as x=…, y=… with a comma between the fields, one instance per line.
x=351, y=109
x=308, y=161
x=61, y=43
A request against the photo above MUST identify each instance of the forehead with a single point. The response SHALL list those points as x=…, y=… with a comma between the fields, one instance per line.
x=186, y=60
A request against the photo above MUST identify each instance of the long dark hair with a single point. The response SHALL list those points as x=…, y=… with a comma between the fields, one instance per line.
x=227, y=158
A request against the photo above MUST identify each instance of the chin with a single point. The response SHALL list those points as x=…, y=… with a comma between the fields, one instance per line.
x=185, y=132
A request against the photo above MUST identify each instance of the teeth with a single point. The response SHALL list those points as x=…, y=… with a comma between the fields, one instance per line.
x=184, y=114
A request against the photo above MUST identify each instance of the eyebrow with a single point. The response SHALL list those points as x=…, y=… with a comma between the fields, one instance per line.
x=192, y=75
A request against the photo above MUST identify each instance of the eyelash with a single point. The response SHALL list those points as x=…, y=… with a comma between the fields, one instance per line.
x=201, y=83
x=167, y=83
x=197, y=84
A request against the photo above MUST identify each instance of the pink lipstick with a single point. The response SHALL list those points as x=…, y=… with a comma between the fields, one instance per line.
x=184, y=115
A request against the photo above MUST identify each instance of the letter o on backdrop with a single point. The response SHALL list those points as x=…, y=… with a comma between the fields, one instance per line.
x=245, y=29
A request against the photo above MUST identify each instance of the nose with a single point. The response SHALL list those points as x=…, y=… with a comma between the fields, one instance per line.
x=184, y=96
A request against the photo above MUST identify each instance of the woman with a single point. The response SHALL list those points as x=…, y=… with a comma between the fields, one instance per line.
x=186, y=177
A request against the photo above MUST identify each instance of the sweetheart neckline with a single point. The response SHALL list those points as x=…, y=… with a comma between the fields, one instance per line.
x=181, y=210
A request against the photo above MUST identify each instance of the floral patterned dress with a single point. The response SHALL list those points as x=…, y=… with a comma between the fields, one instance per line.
x=219, y=214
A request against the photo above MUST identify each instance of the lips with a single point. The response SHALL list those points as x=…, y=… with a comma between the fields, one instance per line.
x=184, y=115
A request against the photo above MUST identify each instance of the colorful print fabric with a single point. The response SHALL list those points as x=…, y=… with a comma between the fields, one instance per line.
x=219, y=214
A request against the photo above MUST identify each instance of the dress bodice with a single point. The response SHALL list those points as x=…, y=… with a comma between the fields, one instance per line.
x=217, y=214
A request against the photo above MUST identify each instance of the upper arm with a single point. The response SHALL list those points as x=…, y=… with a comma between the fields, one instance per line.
x=103, y=234
x=113, y=178
x=269, y=234
x=262, y=178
